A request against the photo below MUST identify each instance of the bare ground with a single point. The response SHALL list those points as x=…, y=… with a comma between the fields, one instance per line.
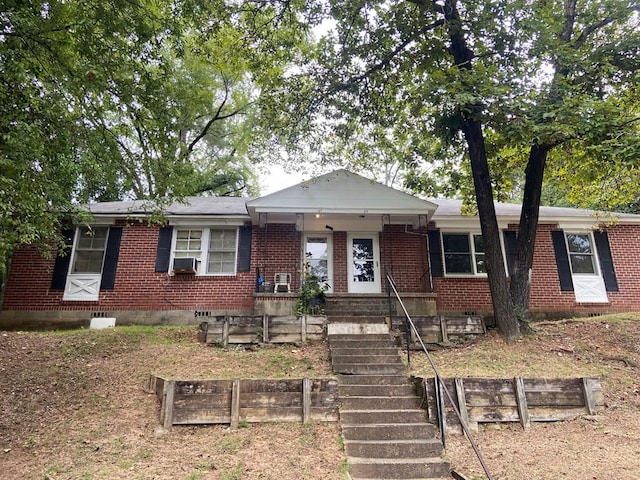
x=73, y=406
x=605, y=446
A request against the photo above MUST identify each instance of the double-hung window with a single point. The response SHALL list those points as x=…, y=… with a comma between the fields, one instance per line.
x=463, y=254
x=222, y=251
x=581, y=253
x=215, y=249
x=90, y=247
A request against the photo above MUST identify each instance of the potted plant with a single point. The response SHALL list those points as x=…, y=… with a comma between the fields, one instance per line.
x=311, y=296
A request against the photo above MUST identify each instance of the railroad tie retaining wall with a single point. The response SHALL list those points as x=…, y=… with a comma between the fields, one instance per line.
x=441, y=328
x=185, y=402
x=243, y=329
x=524, y=400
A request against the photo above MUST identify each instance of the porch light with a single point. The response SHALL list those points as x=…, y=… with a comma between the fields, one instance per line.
x=317, y=215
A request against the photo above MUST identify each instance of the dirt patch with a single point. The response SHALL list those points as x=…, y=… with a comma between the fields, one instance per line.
x=74, y=407
x=606, y=446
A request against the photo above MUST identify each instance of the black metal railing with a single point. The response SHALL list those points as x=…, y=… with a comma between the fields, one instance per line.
x=410, y=329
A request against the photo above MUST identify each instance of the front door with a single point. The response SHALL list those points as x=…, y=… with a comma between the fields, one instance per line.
x=319, y=257
x=363, y=269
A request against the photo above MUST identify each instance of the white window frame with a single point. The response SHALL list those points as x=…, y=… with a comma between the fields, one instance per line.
x=472, y=253
x=594, y=254
x=202, y=255
x=84, y=286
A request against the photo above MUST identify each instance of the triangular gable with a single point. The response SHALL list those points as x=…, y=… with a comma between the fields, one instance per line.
x=341, y=191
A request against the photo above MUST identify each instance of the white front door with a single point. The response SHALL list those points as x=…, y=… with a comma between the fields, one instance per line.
x=319, y=257
x=363, y=268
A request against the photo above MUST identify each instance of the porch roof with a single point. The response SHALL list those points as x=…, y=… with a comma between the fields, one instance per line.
x=340, y=196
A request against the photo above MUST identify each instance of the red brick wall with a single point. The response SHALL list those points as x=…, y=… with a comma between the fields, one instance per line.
x=472, y=294
x=340, y=257
x=137, y=285
x=403, y=254
x=277, y=248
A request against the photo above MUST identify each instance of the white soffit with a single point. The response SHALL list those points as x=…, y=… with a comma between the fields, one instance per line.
x=343, y=192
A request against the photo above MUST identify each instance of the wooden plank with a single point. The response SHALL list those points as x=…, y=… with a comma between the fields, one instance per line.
x=266, y=385
x=221, y=401
x=167, y=404
x=202, y=417
x=265, y=329
x=546, y=414
x=281, y=414
x=242, y=339
x=442, y=418
x=306, y=400
x=589, y=399
x=275, y=400
x=493, y=414
x=285, y=338
x=202, y=387
x=225, y=332
x=285, y=329
x=316, y=320
x=484, y=385
x=551, y=384
x=462, y=403
x=491, y=399
x=324, y=414
x=303, y=332
x=443, y=329
x=523, y=410
x=558, y=399
x=235, y=404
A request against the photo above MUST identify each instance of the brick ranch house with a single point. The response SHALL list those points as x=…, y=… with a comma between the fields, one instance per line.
x=223, y=255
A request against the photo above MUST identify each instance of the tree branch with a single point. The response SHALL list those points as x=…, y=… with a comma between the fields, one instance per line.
x=388, y=58
x=584, y=35
x=216, y=117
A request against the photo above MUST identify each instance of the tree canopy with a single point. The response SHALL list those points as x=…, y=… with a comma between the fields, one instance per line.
x=519, y=87
x=116, y=99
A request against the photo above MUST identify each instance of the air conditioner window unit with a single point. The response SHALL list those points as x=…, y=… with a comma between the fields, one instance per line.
x=184, y=265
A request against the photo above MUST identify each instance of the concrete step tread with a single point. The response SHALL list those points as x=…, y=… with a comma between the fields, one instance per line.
x=394, y=461
x=372, y=380
x=403, y=441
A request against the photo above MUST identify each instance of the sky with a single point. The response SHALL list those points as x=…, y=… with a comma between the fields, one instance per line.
x=275, y=178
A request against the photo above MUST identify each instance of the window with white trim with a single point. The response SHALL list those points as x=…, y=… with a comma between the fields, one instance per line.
x=216, y=249
x=89, y=250
x=463, y=254
x=222, y=251
x=581, y=253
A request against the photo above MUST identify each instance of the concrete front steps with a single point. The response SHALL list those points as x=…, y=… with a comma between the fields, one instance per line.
x=386, y=433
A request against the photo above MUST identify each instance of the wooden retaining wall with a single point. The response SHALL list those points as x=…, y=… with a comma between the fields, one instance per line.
x=486, y=400
x=229, y=329
x=440, y=328
x=198, y=402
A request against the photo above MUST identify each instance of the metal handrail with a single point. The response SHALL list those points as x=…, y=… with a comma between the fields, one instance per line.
x=412, y=328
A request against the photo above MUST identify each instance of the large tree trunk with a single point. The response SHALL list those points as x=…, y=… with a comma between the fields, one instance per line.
x=470, y=115
x=521, y=275
x=503, y=310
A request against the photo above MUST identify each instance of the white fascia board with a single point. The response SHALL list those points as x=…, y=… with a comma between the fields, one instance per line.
x=205, y=221
x=467, y=224
x=345, y=210
x=178, y=220
x=108, y=219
